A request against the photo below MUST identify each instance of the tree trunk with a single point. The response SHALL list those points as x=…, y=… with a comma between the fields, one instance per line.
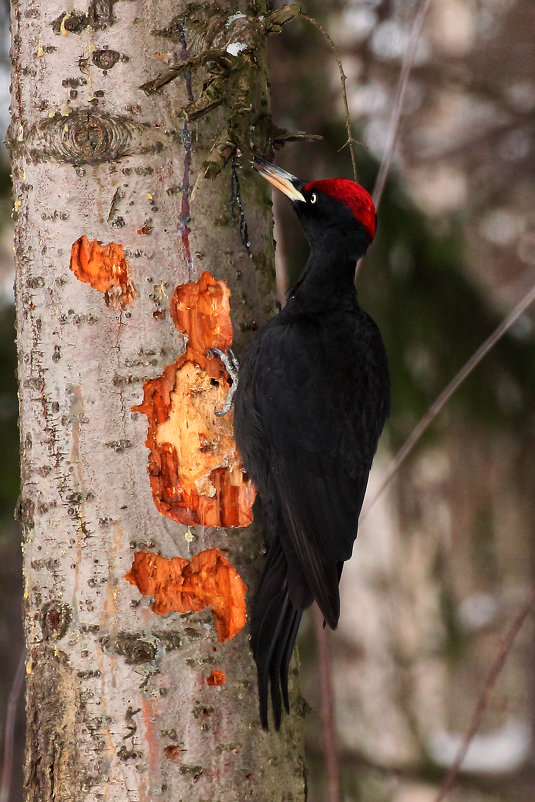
x=113, y=211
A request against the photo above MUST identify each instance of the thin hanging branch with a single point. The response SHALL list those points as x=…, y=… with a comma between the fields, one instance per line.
x=343, y=78
x=483, y=700
x=399, y=99
x=322, y=637
x=446, y=394
x=393, y=130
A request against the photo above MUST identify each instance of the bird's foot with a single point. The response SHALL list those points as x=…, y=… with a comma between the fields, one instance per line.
x=232, y=366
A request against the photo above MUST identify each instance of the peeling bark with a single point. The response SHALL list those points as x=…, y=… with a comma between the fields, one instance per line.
x=122, y=703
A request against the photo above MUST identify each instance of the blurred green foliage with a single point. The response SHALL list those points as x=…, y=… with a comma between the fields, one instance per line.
x=434, y=317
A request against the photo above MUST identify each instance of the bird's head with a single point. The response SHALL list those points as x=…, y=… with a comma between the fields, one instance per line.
x=335, y=206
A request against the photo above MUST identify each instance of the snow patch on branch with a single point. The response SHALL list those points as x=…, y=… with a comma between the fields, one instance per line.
x=234, y=48
x=234, y=17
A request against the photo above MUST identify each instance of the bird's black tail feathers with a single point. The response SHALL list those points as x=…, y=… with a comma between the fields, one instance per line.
x=274, y=624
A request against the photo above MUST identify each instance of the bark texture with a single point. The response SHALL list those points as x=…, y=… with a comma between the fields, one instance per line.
x=123, y=704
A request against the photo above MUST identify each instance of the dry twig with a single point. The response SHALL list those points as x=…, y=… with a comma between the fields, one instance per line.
x=483, y=700
x=393, y=131
x=343, y=79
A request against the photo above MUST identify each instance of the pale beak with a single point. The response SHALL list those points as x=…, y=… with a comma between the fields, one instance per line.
x=284, y=181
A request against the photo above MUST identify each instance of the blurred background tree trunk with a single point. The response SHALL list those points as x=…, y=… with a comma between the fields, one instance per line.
x=444, y=561
x=117, y=701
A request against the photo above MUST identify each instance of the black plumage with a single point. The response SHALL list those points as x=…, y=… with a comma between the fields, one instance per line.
x=311, y=401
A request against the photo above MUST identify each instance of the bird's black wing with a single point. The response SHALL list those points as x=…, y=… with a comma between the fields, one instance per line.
x=320, y=403
x=274, y=624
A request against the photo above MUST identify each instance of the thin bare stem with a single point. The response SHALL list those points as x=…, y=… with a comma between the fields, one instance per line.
x=446, y=394
x=393, y=130
x=9, y=731
x=343, y=79
x=483, y=700
x=328, y=718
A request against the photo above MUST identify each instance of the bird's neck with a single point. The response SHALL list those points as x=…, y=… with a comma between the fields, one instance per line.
x=327, y=281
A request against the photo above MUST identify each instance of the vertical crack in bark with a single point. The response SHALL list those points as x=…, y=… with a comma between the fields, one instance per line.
x=236, y=203
x=185, y=212
x=52, y=765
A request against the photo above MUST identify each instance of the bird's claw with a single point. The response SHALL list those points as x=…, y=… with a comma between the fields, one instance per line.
x=232, y=366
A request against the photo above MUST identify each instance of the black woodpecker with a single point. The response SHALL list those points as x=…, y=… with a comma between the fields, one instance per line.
x=312, y=398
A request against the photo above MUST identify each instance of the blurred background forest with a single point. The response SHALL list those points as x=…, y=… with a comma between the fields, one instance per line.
x=445, y=558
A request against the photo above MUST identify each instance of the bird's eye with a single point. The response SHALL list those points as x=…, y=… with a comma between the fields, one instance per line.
x=313, y=198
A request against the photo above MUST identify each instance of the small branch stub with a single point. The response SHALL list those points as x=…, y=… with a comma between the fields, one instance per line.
x=181, y=586
x=194, y=467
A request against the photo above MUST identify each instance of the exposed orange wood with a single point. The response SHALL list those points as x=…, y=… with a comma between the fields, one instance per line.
x=194, y=467
x=104, y=267
x=181, y=586
x=202, y=311
x=216, y=678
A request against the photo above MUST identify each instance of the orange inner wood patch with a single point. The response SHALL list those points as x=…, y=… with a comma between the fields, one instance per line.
x=194, y=467
x=105, y=268
x=216, y=678
x=181, y=586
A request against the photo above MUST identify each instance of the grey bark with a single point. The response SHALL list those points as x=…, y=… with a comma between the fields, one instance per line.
x=117, y=706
